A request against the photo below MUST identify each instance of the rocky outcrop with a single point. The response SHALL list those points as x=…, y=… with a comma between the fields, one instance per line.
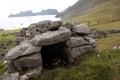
x=45, y=44
x=97, y=34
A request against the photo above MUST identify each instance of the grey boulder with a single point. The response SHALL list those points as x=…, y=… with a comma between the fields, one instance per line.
x=79, y=41
x=42, y=27
x=81, y=29
x=51, y=37
x=25, y=48
x=74, y=53
x=12, y=76
x=30, y=61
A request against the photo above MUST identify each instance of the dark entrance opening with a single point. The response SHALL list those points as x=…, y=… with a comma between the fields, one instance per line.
x=53, y=56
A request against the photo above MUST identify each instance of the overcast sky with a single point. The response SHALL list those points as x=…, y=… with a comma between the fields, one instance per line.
x=15, y=6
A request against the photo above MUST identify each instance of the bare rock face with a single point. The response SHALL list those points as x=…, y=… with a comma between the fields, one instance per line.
x=51, y=37
x=44, y=44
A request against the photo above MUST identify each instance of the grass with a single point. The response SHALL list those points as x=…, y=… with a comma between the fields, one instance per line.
x=107, y=26
x=108, y=43
x=5, y=39
x=2, y=66
x=9, y=31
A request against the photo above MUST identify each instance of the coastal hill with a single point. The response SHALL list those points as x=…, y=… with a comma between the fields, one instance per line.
x=93, y=10
x=30, y=13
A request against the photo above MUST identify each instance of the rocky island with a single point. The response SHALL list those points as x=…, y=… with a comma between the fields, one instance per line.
x=30, y=13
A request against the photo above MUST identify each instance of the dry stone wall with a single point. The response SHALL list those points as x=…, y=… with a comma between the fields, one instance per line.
x=25, y=60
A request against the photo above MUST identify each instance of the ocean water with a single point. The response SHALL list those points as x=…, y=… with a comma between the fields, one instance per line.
x=22, y=22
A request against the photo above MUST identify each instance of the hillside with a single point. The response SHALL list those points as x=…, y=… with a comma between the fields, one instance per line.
x=93, y=11
x=82, y=5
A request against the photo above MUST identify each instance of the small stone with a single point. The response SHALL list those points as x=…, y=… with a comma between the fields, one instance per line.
x=24, y=77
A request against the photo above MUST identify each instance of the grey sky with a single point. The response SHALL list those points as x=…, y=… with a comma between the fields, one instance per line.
x=14, y=6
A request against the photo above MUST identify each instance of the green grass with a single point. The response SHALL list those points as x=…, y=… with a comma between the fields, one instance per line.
x=106, y=44
x=5, y=39
x=2, y=66
x=9, y=31
x=107, y=26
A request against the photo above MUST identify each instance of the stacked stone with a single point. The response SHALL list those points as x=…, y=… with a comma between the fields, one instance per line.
x=26, y=55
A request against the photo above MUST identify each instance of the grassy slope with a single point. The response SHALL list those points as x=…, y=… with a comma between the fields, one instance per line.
x=5, y=39
x=107, y=26
x=102, y=13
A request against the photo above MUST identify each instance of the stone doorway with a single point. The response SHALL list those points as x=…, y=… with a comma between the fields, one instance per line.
x=53, y=56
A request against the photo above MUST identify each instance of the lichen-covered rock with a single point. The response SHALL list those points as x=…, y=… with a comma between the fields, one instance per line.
x=31, y=61
x=51, y=37
x=25, y=48
x=79, y=41
x=12, y=76
x=42, y=27
x=75, y=52
x=81, y=29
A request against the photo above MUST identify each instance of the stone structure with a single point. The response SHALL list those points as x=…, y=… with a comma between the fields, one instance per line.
x=97, y=34
x=46, y=44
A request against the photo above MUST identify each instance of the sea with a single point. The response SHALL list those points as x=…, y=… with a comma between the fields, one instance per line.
x=10, y=23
